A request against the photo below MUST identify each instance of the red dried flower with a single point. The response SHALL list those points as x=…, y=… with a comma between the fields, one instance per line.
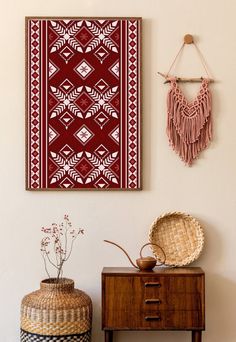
x=60, y=242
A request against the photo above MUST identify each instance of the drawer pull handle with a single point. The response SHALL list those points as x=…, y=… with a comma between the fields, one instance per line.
x=152, y=318
x=152, y=284
x=152, y=301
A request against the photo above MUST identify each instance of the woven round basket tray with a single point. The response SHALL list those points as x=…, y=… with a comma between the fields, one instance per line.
x=181, y=237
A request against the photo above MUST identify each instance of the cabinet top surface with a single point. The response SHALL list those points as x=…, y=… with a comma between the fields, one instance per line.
x=157, y=270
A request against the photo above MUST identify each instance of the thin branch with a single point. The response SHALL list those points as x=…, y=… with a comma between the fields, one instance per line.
x=66, y=231
x=49, y=260
x=184, y=79
x=71, y=247
x=60, y=269
x=54, y=248
x=60, y=246
x=45, y=265
x=60, y=243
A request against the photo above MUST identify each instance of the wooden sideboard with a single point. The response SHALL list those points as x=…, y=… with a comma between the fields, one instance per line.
x=162, y=299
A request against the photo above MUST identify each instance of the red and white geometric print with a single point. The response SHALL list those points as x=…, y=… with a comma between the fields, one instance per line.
x=34, y=105
x=83, y=103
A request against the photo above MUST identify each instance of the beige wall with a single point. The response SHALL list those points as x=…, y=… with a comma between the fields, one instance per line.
x=206, y=190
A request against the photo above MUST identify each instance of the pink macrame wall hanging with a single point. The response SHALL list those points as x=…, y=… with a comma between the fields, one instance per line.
x=189, y=124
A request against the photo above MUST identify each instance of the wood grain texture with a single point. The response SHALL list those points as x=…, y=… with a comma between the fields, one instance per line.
x=166, y=299
x=125, y=271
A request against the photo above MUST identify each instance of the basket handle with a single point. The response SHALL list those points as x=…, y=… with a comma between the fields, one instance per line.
x=154, y=244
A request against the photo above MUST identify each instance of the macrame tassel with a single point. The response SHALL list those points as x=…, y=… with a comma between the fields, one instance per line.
x=189, y=125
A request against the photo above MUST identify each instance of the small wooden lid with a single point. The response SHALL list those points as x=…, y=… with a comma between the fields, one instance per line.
x=188, y=39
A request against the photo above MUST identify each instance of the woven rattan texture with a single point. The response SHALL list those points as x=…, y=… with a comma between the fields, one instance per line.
x=180, y=235
x=28, y=337
x=56, y=310
x=81, y=313
x=51, y=300
x=43, y=328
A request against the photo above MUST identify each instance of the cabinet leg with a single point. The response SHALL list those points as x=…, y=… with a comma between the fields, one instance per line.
x=108, y=335
x=196, y=336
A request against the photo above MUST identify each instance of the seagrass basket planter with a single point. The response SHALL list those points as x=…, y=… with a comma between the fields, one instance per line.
x=56, y=312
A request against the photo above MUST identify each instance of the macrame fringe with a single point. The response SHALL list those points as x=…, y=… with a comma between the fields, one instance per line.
x=189, y=126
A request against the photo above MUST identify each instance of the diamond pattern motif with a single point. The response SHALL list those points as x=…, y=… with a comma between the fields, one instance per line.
x=115, y=69
x=101, y=86
x=132, y=107
x=115, y=135
x=28, y=337
x=84, y=69
x=52, y=135
x=84, y=102
x=84, y=36
x=52, y=69
x=66, y=86
x=83, y=113
x=66, y=183
x=66, y=119
x=84, y=167
x=101, y=119
x=67, y=54
x=66, y=151
x=84, y=134
x=101, y=54
x=34, y=103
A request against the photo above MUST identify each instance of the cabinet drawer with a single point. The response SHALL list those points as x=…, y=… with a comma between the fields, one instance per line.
x=173, y=301
x=171, y=320
x=165, y=299
x=138, y=292
x=172, y=284
x=137, y=301
x=155, y=320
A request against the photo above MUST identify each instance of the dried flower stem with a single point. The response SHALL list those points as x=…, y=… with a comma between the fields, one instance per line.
x=60, y=240
x=45, y=265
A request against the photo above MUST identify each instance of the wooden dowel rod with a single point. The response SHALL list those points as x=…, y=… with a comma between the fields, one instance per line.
x=163, y=75
x=184, y=79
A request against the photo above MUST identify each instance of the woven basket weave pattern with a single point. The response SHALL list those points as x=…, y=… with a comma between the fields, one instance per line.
x=45, y=328
x=56, y=310
x=28, y=337
x=180, y=235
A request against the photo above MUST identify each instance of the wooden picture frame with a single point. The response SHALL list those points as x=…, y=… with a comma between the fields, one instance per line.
x=83, y=103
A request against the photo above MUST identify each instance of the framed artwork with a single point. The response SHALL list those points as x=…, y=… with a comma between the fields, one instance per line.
x=83, y=103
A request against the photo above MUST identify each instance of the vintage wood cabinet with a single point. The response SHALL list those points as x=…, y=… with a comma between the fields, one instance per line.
x=163, y=299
